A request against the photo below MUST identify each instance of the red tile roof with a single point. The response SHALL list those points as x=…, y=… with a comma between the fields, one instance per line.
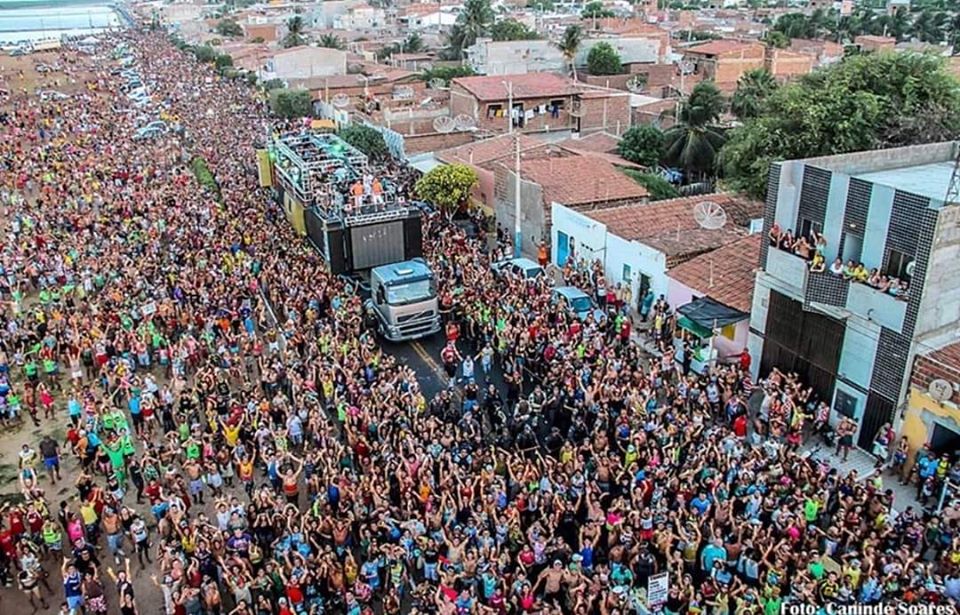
x=725, y=274
x=531, y=85
x=596, y=142
x=716, y=48
x=948, y=355
x=647, y=221
x=580, y=180
x=488, y=150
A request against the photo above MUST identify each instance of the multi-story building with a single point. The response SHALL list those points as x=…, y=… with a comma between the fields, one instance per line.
x=855, y=341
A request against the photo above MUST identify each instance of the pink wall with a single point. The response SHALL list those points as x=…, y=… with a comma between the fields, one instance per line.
x=680, y=294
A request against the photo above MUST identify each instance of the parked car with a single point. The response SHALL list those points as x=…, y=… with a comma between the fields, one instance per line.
x=149, y=132
x=577, y=301
x=523, y=267
x=51, y=95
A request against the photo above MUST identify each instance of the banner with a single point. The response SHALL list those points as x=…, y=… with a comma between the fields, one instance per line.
x=264, y=168
x=658, y=586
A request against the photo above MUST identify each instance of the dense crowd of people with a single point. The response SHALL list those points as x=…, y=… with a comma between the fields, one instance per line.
x=240, y=432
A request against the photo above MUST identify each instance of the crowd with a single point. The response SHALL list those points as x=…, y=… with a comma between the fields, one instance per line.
x=239, y=431
x=812, y=247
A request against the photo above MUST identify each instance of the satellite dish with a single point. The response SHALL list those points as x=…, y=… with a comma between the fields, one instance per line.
x=636, y=83
x=464, y=122
x=940, y=390
x=909, y=269
x=444, y=123
x=709, y=215
x=438, y=84
x=340, y=101
x=426, y=66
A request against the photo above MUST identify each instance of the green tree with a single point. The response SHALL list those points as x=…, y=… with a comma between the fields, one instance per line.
x=223, y=61
x=777, y=39
x=603, y=59
x=257, y=39
x=447, y=186
x=596, y=10
x=512, y=30
x=294, y=36
x=447, y=73
x=658, y=187
x=413, y=43
x=569, y=44
x=205, y=53
x=273, y=84
x=291, y=104
x=366, y=139
x=642, y=145
x=541, y=5
x=229, y=27
x=752, y=89
x=473, y=22
x=694, y=141
x=330, y=41
x=865, y=102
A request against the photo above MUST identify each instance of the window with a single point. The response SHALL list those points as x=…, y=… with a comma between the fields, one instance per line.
x=495, y=111
x=852, y=248
x=845, y=405
x=808, y=228
x=627, y=275
x=899, y=265
x=729, y=332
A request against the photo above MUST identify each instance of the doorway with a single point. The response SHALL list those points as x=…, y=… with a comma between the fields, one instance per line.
x=563, y=248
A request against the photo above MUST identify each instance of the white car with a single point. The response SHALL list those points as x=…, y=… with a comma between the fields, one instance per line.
x=51, y=95
x=149, y=132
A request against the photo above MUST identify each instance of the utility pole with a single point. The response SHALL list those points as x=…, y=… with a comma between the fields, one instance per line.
x=516, y=201
x=509, y=114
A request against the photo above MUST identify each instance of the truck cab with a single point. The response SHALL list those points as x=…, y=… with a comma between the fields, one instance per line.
x=404, y=300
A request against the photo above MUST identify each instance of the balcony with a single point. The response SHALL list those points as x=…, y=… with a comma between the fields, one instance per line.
x=880, y=307
x=789, y=269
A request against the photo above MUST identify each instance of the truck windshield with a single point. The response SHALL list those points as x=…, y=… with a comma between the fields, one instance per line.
x=402, y=294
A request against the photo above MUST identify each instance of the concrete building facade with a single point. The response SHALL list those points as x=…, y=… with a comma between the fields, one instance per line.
x=853, y=342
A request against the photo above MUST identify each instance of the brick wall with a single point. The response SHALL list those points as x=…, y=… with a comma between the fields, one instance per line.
x=607, y=113
x=617, y=82
x=268, y=32
x=788, y=65
x=430, y=142
x=926, y=369
x=730, y=67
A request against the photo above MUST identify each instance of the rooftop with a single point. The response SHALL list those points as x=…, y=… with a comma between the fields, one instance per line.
x=948, y=355
x=669, y=226
x=720, y=47
x=726, y=274
x=531, y=85
x=580, y=180
x=923, y=170
x=488, y=150
x=595, y=142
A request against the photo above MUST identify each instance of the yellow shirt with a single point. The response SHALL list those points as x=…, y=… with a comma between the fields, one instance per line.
x=88, y=513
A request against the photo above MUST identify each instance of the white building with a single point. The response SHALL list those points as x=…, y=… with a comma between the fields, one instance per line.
x=488, y=57
x=306, y=62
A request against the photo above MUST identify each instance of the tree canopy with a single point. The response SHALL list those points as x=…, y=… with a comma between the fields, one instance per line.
x=291, y=104
x=642, y=145
x=569, y=44
x=694, y=142
x=294, y=36
x=658, y=187
x=596, y=10
x=512, y=30
x=229, y=27
x=752, y=89
x=603, y=59
x=474, y=21
x=864, y=102
x=366, y=139
x=447, y=186
x=448, y=73
x=331, y=41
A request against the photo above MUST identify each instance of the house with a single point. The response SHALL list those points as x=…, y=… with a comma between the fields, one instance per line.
x=725, y=61
x=639, y=243
x=854, y=342
x=488, y=57
x=484, y=157
x=713, y=293
x=824, y=52
x=932, y=417
x=306, y=62
x=868, y=42
x=267, y=32
x=601, y=144
x=411, y=61
x=360, y=17
x=554, y=179
x=540, y=103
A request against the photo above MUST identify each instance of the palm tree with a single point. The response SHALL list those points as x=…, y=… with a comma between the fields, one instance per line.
x=693, y=142
x=752, y=89
x=473, y=22
x=294, y=35
x=413, y=43
x=569, y=45
x=331, y=41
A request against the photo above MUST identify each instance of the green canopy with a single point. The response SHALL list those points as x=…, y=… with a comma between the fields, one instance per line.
x=699, y=330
